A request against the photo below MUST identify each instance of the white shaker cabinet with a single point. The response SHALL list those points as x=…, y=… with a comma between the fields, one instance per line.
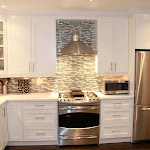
x=44, y=45
x=15, y=125
x=19, y=45
x=32, y=46
x=142, y=32
x=3, y=127
x=1, y=130
x=116, y=118
x=113, y=46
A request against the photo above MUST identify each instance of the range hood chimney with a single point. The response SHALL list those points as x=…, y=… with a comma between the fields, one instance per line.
x=76, y=47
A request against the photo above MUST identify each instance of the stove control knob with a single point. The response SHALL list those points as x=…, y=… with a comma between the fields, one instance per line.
x=64, y=100
x=97, y=99
x=93, y=99
x=60, y=99
x=68, y=100
x=89, y=99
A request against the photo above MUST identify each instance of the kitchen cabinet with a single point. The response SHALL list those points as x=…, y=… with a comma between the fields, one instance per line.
x=3, y=127
x=32, y=121
x=116, y=118
x=113, y=46
x=40, y=121
x=3, y=46
x=142, y=31
x=15, y=125
x=32, y=46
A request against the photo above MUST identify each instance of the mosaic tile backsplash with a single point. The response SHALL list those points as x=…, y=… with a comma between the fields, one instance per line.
x=73, y=72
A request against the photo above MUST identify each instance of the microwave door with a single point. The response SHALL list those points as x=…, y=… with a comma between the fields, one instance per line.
x=142, y=92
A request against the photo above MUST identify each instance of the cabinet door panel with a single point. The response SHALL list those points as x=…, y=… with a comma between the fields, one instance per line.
x=19, y=44
x=105, y=48
x=1, y=131
x=15, y=126
x=44, y=45
x=121, y=48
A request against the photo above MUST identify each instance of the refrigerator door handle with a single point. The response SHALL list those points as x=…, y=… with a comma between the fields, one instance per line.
x=145, y=109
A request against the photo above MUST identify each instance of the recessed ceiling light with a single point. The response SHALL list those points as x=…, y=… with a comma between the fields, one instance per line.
x=90, y=0
x=3, y=6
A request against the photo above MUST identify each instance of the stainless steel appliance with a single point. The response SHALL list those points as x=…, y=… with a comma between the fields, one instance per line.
x=115, y=86
x=142, y=96
x=78, y=118
x=76, y=47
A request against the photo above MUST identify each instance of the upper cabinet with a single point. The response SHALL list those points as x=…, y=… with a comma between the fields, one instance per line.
x=142, y=33
x=3, y=47
x=113, y=46
x=31, y=46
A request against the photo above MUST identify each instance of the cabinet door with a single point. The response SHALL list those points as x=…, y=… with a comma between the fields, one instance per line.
x=3, y=47
x=120, y=62
x=15, y=126
x=4, y=125
x=19, y=45
x=1, y=130
x=142, y=33
x=105, y=48
x=44, y=45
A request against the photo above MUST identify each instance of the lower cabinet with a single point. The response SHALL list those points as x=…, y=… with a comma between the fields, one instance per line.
x=37, y=121
x=116, y=119
x=3, y=127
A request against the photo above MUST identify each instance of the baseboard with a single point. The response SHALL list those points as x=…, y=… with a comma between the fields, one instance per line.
x=115, y=140
x=32, y=143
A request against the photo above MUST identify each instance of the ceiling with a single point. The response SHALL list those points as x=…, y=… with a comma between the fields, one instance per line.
x=54, y=5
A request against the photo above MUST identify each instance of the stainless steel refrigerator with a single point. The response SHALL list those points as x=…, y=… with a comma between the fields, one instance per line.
x=142, y=96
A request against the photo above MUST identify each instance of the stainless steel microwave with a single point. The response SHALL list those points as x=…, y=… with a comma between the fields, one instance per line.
x=115, y=87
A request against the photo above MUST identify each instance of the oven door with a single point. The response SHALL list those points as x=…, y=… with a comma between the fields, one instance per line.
x=78, y=125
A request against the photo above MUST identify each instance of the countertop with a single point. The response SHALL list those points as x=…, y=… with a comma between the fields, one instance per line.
x=29, y=97
x=51, y=97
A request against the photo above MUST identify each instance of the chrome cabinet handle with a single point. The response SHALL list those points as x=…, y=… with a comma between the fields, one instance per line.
x=4, y=111
x=117, y=103
x=39, y=105
x=39, y=117
x=145, y=109
x=111, y=66
x=115, y=66
x=40, y=133
x=116, y=130
x=117, y=115
x=29, y=68
x=33, y=67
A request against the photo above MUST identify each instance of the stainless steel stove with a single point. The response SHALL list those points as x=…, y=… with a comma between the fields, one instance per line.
x=78, y=118
x=78, y=96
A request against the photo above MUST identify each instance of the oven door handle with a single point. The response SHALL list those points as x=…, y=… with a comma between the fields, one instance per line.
x=78, y=108
x=78, y=137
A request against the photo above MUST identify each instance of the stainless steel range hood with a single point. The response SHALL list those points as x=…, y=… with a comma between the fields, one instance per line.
x=76, y=47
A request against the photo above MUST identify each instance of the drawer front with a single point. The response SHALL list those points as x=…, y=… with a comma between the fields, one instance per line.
x=46, y=134
x=39, y=105
x=114, y=116
x=117, y=103
x=43, y=117
x=114, y=131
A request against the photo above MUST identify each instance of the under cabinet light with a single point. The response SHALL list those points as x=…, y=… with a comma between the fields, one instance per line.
x=3, y=6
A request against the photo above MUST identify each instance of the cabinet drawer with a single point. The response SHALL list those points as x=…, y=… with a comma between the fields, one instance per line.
x=114, y=116
x=117, y=103
x=39, y=105
x=115, y=130
x=40, y=116
x=48, y=133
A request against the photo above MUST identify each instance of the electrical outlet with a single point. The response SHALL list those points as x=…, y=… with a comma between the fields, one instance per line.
x=39, y=81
